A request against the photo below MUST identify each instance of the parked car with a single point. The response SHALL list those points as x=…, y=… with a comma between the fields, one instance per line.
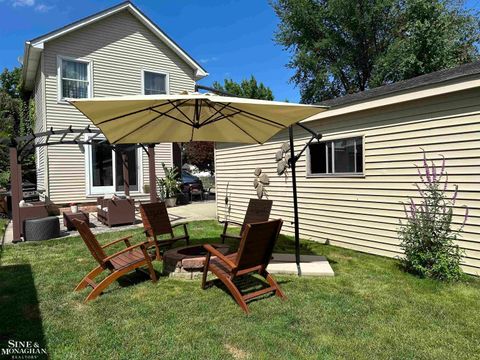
x=191, y=181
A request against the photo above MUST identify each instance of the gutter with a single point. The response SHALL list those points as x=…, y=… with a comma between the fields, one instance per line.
x=26, y=56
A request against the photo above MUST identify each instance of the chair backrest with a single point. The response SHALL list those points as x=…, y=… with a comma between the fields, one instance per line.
x=256, y=245
x=155, y=219
x=90, y=240
x=258, y=210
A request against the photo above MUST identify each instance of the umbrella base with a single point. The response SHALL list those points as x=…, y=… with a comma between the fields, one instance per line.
x=311, y=265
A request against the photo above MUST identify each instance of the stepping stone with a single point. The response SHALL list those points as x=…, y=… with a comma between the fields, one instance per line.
x=311, y=265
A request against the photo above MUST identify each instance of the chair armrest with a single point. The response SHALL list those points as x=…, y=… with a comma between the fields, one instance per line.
x=130, y=248
x=125, y=239
x=185, y=229
x=219, y=255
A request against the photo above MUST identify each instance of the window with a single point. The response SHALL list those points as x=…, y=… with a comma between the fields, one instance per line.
x=105, y=168
x=342, y=156
x=74, y=79
x=154, y=83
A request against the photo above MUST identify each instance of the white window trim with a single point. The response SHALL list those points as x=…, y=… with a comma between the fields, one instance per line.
x=60, y=58
x=342, y=174
x=91, y=190
x=167, y=79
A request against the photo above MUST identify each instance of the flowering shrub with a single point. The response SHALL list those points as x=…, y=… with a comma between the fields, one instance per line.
x=427, y=237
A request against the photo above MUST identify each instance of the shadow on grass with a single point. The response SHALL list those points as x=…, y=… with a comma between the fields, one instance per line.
x=246, y=284
x=20, y=315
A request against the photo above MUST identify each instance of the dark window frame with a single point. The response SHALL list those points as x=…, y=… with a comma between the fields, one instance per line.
x=330, y=152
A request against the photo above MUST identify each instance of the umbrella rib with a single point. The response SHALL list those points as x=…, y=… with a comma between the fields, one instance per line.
x=216, y=112
x=180, y=111
x=131, y=113
x=172, y=117
x=131, y=132
x=238, y=126
x=220, y=118
x=257, y=116
x=150, y=121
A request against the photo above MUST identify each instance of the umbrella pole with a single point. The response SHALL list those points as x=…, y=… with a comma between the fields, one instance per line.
x=293, y=161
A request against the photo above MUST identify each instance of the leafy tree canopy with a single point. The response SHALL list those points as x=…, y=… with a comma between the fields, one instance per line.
x=246, y=88
x=345, y=46
x=200, y=154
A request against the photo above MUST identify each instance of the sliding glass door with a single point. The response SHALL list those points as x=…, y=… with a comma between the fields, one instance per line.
x=105, y=168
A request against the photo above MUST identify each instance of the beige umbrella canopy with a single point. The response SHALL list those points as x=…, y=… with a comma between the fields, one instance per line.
x=191, y=117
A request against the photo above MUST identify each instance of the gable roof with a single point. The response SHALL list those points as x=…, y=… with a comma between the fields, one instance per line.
x=34, y=47
x=434, y=78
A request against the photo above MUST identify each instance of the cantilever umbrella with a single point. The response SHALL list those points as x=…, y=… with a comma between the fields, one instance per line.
x=191, y=117
x=195, y=117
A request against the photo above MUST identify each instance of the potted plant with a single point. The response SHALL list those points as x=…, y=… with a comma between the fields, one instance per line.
x=169, y=186
x=73, y=208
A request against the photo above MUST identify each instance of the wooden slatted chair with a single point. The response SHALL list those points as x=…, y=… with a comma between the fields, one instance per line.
x=156, y=223
x=253, y=256
x=122, y=262
x=258, y=210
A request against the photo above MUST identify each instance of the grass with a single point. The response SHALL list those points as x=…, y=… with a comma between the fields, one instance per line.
x=3, y=223
x=369, y=310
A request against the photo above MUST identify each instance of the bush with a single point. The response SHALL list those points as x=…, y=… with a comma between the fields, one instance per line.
x=427, y=237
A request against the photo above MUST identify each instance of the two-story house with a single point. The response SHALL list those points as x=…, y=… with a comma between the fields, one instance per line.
x=118, y=51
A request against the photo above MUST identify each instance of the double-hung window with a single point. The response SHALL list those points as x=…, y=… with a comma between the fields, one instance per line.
x=75, y=79
x=154, y=83
x=341, y=157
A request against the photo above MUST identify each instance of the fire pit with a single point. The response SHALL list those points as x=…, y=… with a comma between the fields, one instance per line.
x=187, y=262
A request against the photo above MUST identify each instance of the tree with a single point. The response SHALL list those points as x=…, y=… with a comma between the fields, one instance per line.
x=246, y=88
x=345, y=46
x=200, y=154
x=16, y=118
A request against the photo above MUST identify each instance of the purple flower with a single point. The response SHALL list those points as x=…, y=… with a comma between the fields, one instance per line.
x=442, y=171
x=454, y=198
x=434, y=172
x=465, y=217
x=420, y=174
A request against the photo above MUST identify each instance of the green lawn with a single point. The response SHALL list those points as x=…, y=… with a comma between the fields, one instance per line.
x=369, y=310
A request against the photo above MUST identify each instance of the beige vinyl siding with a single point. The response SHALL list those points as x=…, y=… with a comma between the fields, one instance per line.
x=39, y=100
x=118, y=47
x=363, y=213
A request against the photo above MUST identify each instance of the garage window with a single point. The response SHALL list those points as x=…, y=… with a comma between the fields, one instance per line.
x=341, y=156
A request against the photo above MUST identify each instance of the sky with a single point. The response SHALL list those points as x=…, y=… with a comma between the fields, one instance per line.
x=229, y=38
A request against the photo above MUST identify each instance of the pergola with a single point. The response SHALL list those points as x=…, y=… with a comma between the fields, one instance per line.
x=20, y=146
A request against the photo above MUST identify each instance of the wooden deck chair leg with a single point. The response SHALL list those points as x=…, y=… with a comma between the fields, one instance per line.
x=274, y=284
x=151, y=270
x=91, y=275
x=106, y=283
x=205, y=271
x=237, y=295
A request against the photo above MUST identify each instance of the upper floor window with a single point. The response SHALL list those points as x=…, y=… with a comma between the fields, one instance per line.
x=342, y=156
x=154, y=83
x=74, y=79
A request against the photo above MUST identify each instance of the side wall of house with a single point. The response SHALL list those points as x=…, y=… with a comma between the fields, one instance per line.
x=363, y=213
x=39, y=100
x=118, y=47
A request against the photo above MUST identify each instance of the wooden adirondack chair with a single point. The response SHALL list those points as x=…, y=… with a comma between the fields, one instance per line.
x=258, y=210
x=253, y=255
x=120, y=263
x=156, y=223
